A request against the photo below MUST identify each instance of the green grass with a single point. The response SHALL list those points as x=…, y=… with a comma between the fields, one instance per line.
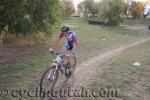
x=91, y=41
x=23, y=75
x=137, y=21
x=91, y=36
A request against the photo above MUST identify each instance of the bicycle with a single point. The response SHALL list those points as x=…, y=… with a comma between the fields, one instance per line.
x=50, y=75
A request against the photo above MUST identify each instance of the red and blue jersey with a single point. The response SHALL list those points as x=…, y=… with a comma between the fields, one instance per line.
x=71, y=37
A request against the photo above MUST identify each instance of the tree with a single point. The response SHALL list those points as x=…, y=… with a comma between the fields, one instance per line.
x=68, y=8
x=82, y=9
x=97, y=7
x=89, y=7
x=10, y=13
x=2, y=35
x=27, y=16
x=112, y=13
x=136, y=9
x=127, y=7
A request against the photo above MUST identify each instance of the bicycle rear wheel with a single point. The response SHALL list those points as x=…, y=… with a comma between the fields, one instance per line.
x=73, y=64
x=70, y=67
x=49, y=78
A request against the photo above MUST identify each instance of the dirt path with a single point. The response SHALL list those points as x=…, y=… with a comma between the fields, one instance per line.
x=87, y=69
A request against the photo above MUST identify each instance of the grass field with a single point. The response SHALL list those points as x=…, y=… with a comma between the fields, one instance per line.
x=93, y=39
x=133, y=82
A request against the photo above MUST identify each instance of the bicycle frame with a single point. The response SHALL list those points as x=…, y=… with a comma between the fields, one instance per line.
x=58, y=61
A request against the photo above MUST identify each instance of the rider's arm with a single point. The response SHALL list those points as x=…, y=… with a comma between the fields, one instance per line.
x=55, y=42
x=61, y=35
x=60, y=38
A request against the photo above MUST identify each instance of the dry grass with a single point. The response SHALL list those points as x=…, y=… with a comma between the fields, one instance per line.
x=31, y=39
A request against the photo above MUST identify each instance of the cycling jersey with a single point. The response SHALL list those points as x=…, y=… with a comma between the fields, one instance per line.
x=71, y=38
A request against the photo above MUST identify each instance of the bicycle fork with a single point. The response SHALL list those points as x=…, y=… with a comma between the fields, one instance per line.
x=53, y=72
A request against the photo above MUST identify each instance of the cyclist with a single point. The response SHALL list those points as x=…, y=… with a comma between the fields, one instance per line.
x=70, y=46
x=71, y=37
x=72, y=41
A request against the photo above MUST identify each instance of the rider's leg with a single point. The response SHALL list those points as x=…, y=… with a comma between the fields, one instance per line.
x=69, y=57
x=71, y=53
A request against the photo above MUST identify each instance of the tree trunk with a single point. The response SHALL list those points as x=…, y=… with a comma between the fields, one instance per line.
x=2, y=39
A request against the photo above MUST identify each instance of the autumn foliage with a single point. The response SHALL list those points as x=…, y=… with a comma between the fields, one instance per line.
x=136, y=9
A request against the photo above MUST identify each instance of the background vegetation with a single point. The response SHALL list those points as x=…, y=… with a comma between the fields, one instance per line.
x=26, y=16
x=37, y=16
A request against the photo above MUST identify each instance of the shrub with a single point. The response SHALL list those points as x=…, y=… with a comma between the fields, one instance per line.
x=112, y=13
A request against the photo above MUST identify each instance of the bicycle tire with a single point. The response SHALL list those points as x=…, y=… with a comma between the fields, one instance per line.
x=43, y=76
x=71, y=67
x=74, y=65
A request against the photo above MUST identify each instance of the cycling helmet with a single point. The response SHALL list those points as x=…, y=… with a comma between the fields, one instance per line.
x=65, y=28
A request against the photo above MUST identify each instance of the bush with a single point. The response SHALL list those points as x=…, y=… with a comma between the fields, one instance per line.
x=24, y=26
x=112, y=13
x=114, y=21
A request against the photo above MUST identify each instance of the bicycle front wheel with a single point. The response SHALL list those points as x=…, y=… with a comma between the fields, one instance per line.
x=49, y=78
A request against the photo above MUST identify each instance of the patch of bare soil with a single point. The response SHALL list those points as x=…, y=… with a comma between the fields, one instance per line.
x=14, y=54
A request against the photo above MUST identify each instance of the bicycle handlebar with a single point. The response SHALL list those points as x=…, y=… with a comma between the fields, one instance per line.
x=56, y=53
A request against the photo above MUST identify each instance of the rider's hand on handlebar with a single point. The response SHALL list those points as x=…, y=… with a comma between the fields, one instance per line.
x=51, y=50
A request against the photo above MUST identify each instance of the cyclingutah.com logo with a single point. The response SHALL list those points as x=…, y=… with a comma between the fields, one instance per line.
x=58, y=93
